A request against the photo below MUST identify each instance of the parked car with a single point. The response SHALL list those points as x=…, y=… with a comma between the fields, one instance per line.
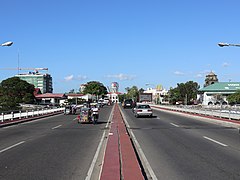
x=128, y=103
x=142, y=110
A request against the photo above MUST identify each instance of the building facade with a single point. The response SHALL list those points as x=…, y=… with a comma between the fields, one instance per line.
x=41, y=81
x=113, y=97
x=211, y=78
x=158, y=95
x=217, y=93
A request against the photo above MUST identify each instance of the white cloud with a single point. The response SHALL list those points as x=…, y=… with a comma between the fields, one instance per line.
x=121, y=76
x=199, y=75
x=78, y=78
x=69, y=78
x=178, y=73
x=225, y=64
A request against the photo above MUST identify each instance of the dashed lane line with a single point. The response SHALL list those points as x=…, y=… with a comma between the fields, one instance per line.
x=10, y=147
x=175, y=125
x=57, y=127
x=217, y=142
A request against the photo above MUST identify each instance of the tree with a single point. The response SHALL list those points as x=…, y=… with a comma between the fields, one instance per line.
x=14, y=91
x=133, y=93
x=234, y=98
x=184, y=92
x=95, y=87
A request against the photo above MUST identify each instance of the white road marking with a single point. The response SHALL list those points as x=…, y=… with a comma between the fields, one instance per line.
x=217, y=142
x=90, y=171
x=10, y=147
x=57, y=127
x=175, y=125
x=146, y=164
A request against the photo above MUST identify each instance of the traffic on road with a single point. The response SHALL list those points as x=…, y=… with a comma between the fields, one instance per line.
x=167, y=146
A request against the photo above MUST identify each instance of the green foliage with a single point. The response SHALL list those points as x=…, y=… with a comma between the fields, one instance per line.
x=132, y=93
x=184, y=92
x=14, y=91
x=234, y=98
x=95, y=87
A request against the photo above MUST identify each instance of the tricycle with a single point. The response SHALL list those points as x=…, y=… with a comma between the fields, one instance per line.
x=85, y=115
x=88, y=115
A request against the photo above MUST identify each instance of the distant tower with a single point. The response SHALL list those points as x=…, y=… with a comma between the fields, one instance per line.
x=211, y=78
x=114, y=87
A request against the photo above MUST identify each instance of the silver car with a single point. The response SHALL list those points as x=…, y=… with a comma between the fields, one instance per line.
x=142, y=110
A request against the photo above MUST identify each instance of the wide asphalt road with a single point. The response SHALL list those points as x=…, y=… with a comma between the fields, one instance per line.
x=51, y=148
x=182, y=147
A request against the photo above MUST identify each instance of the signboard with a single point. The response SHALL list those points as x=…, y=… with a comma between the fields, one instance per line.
x=145, y=97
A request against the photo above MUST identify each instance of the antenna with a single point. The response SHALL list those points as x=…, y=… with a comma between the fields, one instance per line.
x=18, y=61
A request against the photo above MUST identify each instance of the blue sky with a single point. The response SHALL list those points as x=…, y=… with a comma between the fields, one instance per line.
x=133, y=42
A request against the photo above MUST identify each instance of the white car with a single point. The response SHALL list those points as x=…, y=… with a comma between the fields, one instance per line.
x=142, y=110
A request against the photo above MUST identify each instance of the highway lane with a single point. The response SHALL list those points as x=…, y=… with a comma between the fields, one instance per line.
x=51, y=148
x=181, y=147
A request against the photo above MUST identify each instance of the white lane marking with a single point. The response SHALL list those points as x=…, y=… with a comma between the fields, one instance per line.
x=10, y=147
x=93, y=164
x=146, y=164
x=175, y=125
x=57, y=127
x=217, y=142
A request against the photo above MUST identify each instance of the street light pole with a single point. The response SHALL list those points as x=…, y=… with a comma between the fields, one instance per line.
x=227, y=44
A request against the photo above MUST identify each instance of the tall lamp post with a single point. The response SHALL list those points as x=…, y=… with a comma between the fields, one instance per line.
x=9, y=43
x=227, y=44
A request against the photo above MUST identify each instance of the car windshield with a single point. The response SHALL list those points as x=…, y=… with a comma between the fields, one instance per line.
x=143, y=107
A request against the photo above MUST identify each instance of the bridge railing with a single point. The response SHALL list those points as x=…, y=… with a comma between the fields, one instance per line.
x=214, y=111
x=10, y=116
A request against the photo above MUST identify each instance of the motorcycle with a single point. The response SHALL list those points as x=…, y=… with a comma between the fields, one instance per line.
x=94, y=115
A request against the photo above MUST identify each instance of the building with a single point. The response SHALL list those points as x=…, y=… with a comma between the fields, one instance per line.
x=114, y=87
x=211, y=78
x=217, y=93
x=41, y=81
x=86, y=97
x=158, y=94
x=49, y=98
x=113, y=97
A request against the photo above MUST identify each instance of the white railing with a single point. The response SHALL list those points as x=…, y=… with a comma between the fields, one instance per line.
x=27, y=114
x=206, y=111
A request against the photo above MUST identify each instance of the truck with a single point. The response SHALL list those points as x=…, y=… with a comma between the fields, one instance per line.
x=145, y=97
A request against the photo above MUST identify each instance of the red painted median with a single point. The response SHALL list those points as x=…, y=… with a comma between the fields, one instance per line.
x=120, y=161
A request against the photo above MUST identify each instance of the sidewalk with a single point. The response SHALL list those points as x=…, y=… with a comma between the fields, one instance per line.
x=120, y=161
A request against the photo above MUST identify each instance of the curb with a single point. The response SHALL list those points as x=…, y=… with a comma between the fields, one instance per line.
x=120, y=161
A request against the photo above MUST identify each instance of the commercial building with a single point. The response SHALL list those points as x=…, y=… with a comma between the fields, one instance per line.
x=41, y=81
x=158, y=95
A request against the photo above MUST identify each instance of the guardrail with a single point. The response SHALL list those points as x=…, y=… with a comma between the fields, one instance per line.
x=231, y=114
x=27, y=114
